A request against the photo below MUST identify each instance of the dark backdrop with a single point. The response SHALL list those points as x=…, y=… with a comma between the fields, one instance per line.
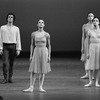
x=63, y=19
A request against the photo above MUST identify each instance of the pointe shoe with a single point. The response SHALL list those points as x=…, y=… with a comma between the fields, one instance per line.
x=85, y=77
x=88, y=85
x=28, y=90
x=42, y=90
x=97, y=85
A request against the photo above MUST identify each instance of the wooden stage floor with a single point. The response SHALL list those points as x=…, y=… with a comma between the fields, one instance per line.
x=62, y=83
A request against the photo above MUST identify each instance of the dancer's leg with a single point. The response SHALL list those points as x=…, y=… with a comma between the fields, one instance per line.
x=97, y=78
x=90, y=79
x=41, y=81
x=32, y=82
x=93, y=75
x=86, y=73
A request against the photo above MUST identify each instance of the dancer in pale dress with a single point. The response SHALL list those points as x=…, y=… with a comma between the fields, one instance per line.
x=93, y=54
x=40, y=52
x=85, y=29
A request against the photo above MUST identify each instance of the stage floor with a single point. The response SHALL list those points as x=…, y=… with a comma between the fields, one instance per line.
x=62, y=83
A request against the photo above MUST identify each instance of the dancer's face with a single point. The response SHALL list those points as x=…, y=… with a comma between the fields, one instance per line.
x=96, y=21
x=90, y=16
x=40, y=23
x=10, y=18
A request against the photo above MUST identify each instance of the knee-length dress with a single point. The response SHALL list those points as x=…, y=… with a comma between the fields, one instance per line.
x=86, y=27
x=94, y=51
x=39, y=63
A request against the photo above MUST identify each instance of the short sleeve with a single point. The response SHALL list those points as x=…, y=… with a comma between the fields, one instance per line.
x=48, y=35
x=83, y=27
x=33, y=35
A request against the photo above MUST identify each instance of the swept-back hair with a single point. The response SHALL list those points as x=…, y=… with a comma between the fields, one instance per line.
x=10, y=14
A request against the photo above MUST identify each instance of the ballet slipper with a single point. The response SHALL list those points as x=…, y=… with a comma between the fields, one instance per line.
x=97, y=85
x=30, y=89
x=42, y=90
x=85, y=77
x=88, y=85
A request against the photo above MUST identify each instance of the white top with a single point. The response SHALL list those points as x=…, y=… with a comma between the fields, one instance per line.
x=40, y=38
x=10, y=34
x=94, y=36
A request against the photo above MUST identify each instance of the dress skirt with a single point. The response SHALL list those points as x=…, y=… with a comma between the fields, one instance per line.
x=94, y=57
x=83, y=55
x=39, y=63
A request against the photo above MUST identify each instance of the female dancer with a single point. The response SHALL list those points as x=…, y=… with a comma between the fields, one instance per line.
x=93, y=55
x=85, y=29
x=40, y=57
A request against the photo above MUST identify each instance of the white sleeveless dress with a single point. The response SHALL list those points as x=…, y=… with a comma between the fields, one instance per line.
x=39, y=63
x=93, y=62
x=86, y=28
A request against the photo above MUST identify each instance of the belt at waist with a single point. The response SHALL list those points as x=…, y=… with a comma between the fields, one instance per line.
x=9, y=44
x=95, y=42
x=40, y=45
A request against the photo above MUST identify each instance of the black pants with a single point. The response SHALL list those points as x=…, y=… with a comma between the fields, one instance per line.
x=9, y=53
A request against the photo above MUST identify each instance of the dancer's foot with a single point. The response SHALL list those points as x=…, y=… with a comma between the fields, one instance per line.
x=85, y=77
x=97, y=85
x=88, y=85
x=42, y=90
x=4, y=81
x=10, y=80
x=30, y=89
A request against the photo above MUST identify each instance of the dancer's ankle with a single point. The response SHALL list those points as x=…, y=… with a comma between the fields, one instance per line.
x=31, y=87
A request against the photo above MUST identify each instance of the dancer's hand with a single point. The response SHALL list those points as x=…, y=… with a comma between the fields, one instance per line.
x=30, y=58
x=87, y=56
x=1, y=51
x=49, y=59
x=82, y=50
x=18, y=52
